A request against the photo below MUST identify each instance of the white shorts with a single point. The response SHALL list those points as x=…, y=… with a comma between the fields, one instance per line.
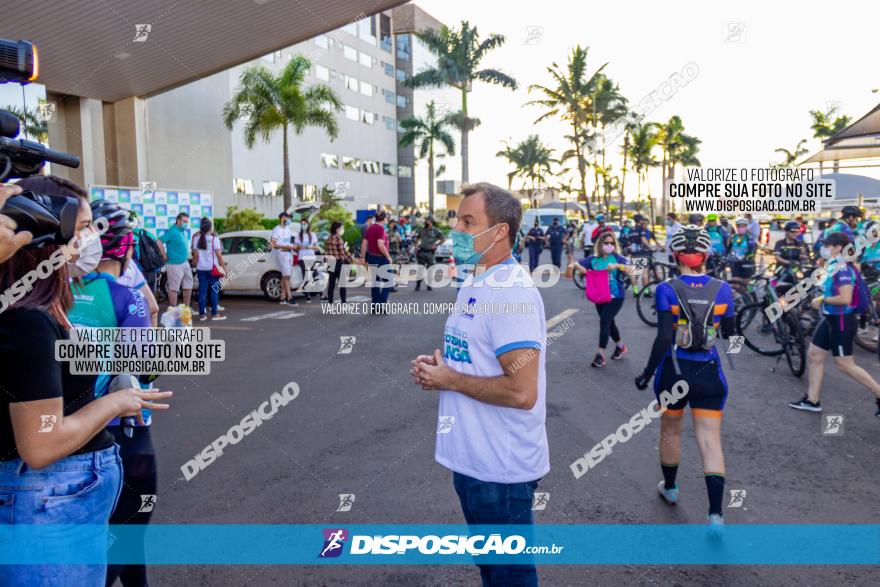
x=285, y=262
x=179, y=277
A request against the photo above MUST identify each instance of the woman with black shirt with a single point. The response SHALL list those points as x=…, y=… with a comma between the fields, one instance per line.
x=58, y=463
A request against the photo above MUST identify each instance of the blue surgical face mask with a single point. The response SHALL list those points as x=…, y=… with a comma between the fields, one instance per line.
x=463, y=247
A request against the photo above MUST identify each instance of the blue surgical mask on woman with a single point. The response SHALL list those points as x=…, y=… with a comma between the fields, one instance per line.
x=463, y=247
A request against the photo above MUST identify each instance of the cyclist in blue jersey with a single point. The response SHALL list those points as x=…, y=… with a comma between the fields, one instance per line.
x=849, y=219
x=837, y=330
x=100, y=301
x=691, y=310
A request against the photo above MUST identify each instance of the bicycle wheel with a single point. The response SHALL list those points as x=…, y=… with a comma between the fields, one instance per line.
x=579, y=279
x=793, y=344
x=646, y=303
x=759, y=334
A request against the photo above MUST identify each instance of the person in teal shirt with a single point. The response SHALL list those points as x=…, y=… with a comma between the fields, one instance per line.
x=177, y=270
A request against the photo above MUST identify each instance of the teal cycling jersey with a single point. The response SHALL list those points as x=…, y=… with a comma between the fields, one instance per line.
x=101, y=302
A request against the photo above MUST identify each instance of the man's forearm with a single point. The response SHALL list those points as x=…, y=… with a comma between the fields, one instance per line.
x=499, y=390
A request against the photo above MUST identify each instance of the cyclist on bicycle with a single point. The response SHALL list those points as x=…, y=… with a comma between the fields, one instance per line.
x=638, y=245
x=691, y=309
x=790, y=252
x=837, y=330
x=742, y=246
x=849, y=219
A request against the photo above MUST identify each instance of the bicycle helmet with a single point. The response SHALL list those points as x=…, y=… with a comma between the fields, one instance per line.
x=691, y=239
x=792, y=225
x=600, y=218
x=711, y=217
x=696, y=219
x=741, y=222
x=638, y=218
x=119, y=236
x=850, y=211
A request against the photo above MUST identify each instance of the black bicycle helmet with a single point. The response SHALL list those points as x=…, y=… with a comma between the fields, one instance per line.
x=695, y=219
x=792, y=225
x=850, y=211
x=691, y=239
x=119, y=236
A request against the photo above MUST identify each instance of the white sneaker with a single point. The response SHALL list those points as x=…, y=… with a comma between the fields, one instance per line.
x=716, y=525
x=670, y=496
x=220, y=308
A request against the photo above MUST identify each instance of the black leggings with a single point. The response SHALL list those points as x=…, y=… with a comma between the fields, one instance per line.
x=331, y=282
x=138, y=478
x=607, y=326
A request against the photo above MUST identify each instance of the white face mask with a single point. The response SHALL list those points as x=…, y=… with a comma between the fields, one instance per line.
x=825, y=252
x=90, y=252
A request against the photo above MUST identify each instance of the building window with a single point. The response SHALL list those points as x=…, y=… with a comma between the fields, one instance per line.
x=389, y=169
x=351, y=163
x=298, y=191
x=390, y=123
x=400, y=128
x=241, y=185
x=329, y=161
x=322, y=73
x=271, y=188
x=351, y=28
x=367, y=89
x=322, y=41
x=350, y=53
x=371, y=167
x=404, y=171
x=310, y=193
x=367, y=30
x=352, y=113
x=351, y=83
x=366, y=60
x=385, y=32
x=368, y=117
x=388, y=95
x=402, y=101
x=401, y=75
x=403, y=46
x=389, y=69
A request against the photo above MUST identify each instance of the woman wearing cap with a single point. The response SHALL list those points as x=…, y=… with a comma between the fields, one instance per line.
x=691, y=309
x=606, y=256
x=837, y=330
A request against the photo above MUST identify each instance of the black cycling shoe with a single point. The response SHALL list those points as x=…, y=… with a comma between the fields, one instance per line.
x=598, y=362
x=806, y=405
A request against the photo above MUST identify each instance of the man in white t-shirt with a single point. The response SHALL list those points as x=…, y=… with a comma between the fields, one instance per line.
x=282, y=248
x=587, y=235
x=490, y=376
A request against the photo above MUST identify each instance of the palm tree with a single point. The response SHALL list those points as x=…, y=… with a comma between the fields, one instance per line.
x=459, y=53
x=826, y=125
x=532, y=159
x=266, y=101
x=32, y=125
x=514, y=156
x=426, y=131
x=641, y=147
x=668, y=137
x=791, y=156
x=608, y=106
x=570, y=98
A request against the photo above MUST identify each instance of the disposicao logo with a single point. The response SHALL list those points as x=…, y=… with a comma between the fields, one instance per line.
x=334, y=541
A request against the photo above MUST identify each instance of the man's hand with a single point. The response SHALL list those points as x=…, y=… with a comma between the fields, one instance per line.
x=431, y=372
x=10, y=242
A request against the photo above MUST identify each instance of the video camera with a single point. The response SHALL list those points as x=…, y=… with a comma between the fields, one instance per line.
x=51, y=219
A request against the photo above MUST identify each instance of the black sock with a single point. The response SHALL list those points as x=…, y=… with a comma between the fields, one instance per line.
x=669, y=473
x=715, y=489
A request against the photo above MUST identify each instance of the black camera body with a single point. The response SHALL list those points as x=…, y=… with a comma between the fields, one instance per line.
x=51, y=219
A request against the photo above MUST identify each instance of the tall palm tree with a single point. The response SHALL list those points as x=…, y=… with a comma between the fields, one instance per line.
x=266, y=101
x=424, y=132
x=608, y=105
x=641, y=147
x=791, y=157
x=570, y=99
x=32, y=125
x=668, y=138
x=532, y=161
x=459, y=53
x=515, y=157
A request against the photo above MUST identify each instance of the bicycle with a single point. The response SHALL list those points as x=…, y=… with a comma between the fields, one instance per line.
x=646, y=302
x=773, y=338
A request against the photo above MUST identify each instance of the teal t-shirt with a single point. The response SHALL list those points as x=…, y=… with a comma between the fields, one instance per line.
x=175, y=245
x=614, y=277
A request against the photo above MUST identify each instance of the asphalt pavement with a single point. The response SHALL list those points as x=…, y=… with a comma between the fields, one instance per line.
x=359, y=426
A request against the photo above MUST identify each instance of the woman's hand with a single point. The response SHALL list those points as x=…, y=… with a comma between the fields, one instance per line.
x=131, y=401
x=816, y=303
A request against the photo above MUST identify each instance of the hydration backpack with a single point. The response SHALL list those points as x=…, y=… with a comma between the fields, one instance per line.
x=861, y=293
x=149, y=254
x=696, y=328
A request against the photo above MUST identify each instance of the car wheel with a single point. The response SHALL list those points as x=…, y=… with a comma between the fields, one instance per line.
x=271, y=286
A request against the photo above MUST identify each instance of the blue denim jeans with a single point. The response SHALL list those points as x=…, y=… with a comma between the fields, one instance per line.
x=79, y=489
x=379, y=295
x=207, y=282
x=488, y=503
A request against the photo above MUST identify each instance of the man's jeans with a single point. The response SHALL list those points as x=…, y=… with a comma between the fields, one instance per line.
x=379, y=295
x=487, y=503
x=79, y=489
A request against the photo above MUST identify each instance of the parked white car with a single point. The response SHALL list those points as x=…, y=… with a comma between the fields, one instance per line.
x=254, y=268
